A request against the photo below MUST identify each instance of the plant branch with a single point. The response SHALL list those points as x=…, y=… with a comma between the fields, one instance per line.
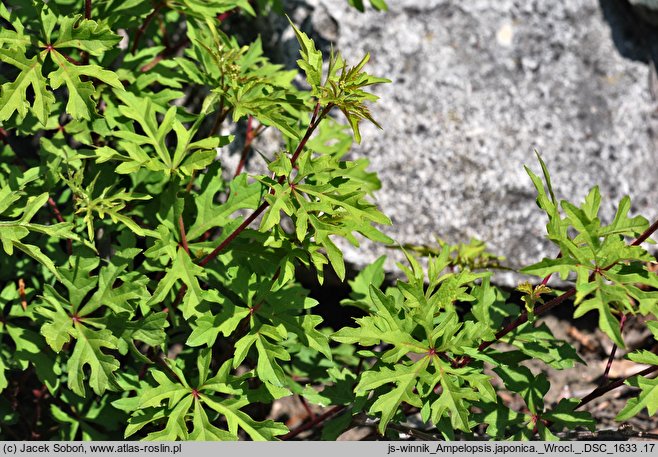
x=646, y=234
x=599, y=391
x=613, y=351
x=249, y=137
x=315, y=120
x=221, y=115
x=311, y=424
x=142, y=28
x=87, y=9
x=183, y=236
x=60, y=219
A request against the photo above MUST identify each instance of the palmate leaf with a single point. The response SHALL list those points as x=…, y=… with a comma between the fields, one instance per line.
x=80, y=104
x=539, y=343
x=85, y=35
x=267, y=340
x=454, y=400
x=207, y=328
x=73, y=33
x=12, y=232
x=13, y=97
x=648, y=398
x=188, y=156
x=185, y=270
x=176, y=402
x=211, y=214
x=404, y=377
x=266, y=430
x=565, y=414
x=60, y=327
x=203, y=430
x=106, y=204
x=264, y=103
x=118, y=297
x=373, y=274
x=499, y=419
x=604, y=296
x=89, y=351
x=311, y=61
x=520, y=379
x=210, y=8
x=385, y=324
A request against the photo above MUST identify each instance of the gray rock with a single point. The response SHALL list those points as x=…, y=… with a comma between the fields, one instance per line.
x=477, y=87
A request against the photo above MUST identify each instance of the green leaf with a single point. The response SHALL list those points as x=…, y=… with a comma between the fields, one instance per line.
x=85, y=35
x=648, y=398
x=257, y=431
x=454, y=400
x=520, y=379
x=59, y=326
x=311, y=61
x=207, y=328
x=185, y=270
x=243, y=195
x=80, y=104
x=203, y=430
x=404, y=377
x=565, y=414
x=14, y=94
x=88, y=351
x=372, y=274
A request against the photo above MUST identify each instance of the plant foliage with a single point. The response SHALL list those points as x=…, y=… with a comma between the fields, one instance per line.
x=149, y=292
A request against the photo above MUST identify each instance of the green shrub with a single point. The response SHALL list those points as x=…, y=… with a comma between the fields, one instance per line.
x=148, y=292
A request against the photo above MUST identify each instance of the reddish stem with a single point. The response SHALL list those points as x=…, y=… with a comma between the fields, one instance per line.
x=87, y=9
x=309, y=131
x=249, y=137
x=70, y=59
x=315, y=120
x=613, y=351
x=309, y=425
x=548, y=277
x=58, y=216
x=140, y=31
x=183, y=236
x=152, y=63
x=599, y=391
x=646, y=234
x=234, y=234
x=307, y=408
x=21, y=293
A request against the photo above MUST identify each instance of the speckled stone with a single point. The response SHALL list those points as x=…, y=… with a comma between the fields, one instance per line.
x=477, y=87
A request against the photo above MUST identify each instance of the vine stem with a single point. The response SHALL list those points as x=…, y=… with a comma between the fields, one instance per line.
x=315, y=120
x=87, y=9
x=183, y=236
x=309, y=425
x=599, y=391
x=58, y=216
x=142, y=28
x=613, y=351
x=249, y=137
x=318, y=115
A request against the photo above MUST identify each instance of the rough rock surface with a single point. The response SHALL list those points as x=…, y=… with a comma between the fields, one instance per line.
x=477, y=87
